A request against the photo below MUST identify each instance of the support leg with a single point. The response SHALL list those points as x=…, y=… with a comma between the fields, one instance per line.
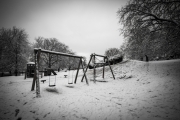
x=111, y=69
x=34, y=81
x=77, y=71
x=103, y=69
x=86, y=68
x=94, y=69
x=85, y=74
x=34, y=78
x=37, y=75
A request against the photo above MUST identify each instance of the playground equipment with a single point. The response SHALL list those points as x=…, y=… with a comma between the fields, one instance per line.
x=37, y=53
x=70, y=77
x=93, y=57
x=49, y=71
x=69, y=80
x=43, y=81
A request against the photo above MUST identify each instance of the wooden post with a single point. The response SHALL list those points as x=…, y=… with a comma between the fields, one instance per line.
x=94, y=68
x=77, y=71
x=110, y=68
x=87, y=67
x=25, y=74
x=37, y=73
x=34, y=78
x=103, y=68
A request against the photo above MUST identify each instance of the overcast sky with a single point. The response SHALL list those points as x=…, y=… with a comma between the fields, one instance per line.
x=86, y=26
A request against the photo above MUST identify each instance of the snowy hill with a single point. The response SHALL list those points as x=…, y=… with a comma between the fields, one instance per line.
x=141, y=91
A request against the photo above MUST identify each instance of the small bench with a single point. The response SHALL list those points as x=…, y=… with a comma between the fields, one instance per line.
x=43, y=81
x=65, y=76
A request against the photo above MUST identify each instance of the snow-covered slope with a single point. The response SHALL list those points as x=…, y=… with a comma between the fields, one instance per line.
x=142, y=91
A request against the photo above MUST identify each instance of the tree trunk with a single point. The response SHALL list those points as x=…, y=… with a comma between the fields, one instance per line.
x=49, y=61
x=16, y=66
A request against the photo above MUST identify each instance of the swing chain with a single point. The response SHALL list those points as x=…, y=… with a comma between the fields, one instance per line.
x=69, y=72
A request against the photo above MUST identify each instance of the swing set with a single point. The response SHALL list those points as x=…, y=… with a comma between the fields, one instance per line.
x=93, y=59
x=37, y=53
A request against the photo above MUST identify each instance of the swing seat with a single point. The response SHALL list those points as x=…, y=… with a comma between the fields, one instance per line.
x=70, y=83
x=43, y=81
x=54, y=74
x=52, y=85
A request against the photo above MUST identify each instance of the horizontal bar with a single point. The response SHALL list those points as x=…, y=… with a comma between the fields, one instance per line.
x=100, y=63
x=100, y=55
x=57, y=53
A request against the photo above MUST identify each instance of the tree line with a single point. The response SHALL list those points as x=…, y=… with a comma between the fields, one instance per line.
x=16, y=51
x=150, y=27
x=114, y=56
x=13, y=49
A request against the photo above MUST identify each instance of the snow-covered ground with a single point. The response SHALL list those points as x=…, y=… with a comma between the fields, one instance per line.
x=141, y=91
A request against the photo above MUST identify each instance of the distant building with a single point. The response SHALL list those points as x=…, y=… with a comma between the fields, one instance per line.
x=30, y=69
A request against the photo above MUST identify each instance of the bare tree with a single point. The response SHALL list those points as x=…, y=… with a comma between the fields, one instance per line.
x=151, y=27
x=13, y=49
x=112, y=51
x=53, y=44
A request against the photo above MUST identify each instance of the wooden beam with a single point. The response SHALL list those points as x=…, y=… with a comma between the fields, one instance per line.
x=100, y=55
x=57, y=53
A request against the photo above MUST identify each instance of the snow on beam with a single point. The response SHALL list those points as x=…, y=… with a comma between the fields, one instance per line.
x=57, y=53
x=100, y=55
